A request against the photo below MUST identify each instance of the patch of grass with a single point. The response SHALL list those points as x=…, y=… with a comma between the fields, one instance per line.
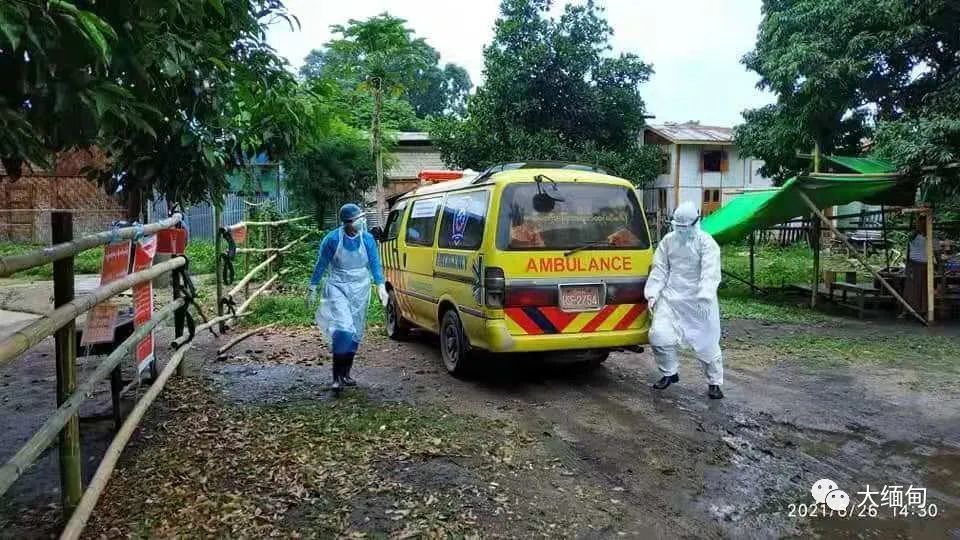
x=202, y=255
x=936, y=353
x=87, y=262
x=746, y=307
x=775, y=266
x=291, y=310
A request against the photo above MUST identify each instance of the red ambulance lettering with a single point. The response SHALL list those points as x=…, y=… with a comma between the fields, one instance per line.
x=547, y=265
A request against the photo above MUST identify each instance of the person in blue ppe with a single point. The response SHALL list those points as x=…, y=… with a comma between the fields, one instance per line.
x=348, y=257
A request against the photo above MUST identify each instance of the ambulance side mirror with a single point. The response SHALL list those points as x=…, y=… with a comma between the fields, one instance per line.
x=377, y=233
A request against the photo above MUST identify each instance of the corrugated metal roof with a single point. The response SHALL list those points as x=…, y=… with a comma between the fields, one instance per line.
x=413, y=136
x=693, y=133
x=407, y=165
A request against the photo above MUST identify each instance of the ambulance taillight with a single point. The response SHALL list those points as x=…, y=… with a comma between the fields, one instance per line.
x=626, y=293
x=494, y=284
x=532, y=296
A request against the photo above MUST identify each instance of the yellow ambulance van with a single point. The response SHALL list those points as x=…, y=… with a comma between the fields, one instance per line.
x=523, y=257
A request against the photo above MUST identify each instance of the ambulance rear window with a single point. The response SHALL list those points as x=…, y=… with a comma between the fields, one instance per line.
x=570, y=215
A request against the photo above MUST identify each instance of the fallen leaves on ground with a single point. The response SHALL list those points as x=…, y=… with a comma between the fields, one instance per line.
x=348, y=467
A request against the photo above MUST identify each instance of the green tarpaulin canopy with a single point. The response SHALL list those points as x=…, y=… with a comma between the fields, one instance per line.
x=759, y=209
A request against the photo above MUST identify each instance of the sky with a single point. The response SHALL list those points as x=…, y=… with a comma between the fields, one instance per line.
x=695, y=46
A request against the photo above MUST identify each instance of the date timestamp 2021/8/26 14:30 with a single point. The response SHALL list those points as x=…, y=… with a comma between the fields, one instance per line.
x=896, y=501
x=814, y=510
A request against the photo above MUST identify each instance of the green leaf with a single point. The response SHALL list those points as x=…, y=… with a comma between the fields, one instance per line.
x=92, y=27
x=144, y=126
x=218, y=5
x=170, y=67
x=210, y=155
x=10, y=29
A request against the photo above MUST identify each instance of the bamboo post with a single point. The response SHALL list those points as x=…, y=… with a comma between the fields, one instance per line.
x=249, y=276
x=44, y=436
x=15, y=263
x=28, y=336
x=269, y=246
x=815, y=241
x=243, y=336
x=268, y=223
x=245, y=282
x=862, y=261
x=931, y=262
x=99, y=481
x=243, y=307
x=883, y=226
x=246, y=256
x=218, y=266
x=71, y=483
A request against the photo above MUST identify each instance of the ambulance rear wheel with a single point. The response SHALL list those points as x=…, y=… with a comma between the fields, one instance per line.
x=397, y=327
x=453, y=343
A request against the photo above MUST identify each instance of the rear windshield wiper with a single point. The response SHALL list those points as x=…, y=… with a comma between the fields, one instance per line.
x=588, y=245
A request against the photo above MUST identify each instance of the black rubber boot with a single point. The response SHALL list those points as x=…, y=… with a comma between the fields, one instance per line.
x=337, y=384
x=666, y=381
x=714, y=391
x=345, y=377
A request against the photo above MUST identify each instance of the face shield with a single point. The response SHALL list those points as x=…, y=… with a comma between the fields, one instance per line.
x=685, y=221
x=357, y=225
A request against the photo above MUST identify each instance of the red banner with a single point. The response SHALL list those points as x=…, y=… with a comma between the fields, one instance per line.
x=101, y=322
x=172, y=241
x=116, y=261
x=239, y=234
x=143, y=300
x=102, y=319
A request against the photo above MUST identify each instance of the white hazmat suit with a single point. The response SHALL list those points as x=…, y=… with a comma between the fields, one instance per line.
x=681, y=293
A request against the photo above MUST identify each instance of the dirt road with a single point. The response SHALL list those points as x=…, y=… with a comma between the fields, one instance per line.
x=550, y=450
x=676, y=461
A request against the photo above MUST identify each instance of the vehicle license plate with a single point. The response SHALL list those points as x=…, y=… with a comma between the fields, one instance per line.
x=580, y=298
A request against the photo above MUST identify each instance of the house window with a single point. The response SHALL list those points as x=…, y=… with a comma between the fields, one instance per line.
x=662, y=199
x=664, y=160
x=713, y=161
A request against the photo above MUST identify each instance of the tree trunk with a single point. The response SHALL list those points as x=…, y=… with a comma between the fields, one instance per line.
x=378, y=149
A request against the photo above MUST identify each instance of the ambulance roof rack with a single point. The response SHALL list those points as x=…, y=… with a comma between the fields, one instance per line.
x=490, y=171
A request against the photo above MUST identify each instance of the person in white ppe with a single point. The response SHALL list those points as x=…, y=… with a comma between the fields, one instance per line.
x=348, y=256
x=681, y=295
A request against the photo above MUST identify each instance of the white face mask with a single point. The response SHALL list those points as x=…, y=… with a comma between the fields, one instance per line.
x=359, y=225
x=684, y=232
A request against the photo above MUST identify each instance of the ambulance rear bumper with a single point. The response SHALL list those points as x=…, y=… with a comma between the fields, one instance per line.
x=500, y=340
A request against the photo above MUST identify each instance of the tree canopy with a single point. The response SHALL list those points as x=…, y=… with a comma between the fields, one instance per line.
x=418, y=85
x=177, y=92
x=853, y=74
x=552, y=90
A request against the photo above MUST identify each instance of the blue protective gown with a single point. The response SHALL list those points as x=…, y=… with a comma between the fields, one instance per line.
x=346, y=291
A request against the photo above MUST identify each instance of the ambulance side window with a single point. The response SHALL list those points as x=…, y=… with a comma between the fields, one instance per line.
x=393, y=221
x=464, y=217
x=422, y=223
